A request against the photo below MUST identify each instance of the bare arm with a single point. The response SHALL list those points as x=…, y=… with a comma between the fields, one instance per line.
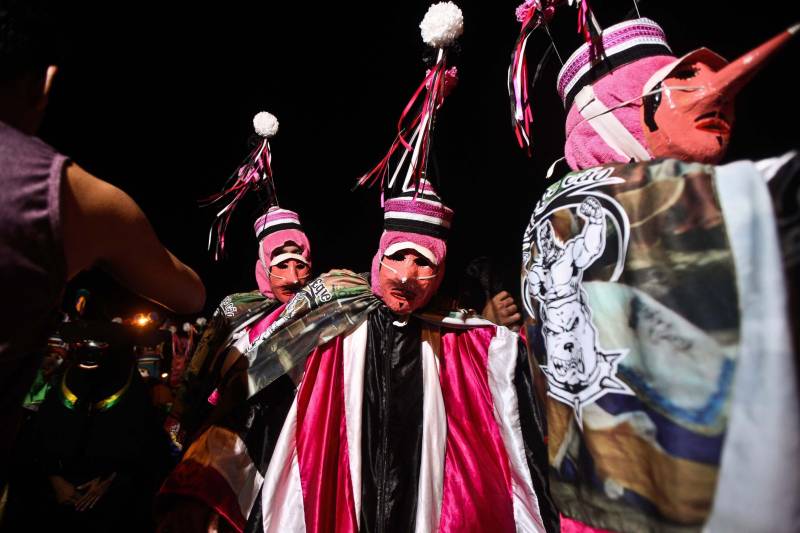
x=102, y=225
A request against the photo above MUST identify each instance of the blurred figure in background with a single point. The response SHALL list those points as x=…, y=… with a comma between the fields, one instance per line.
x=54, y=358
x=484, y=290
x=92, y=457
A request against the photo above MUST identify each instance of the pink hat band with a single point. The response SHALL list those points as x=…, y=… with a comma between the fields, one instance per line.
x=622, y=43
x=276, y=219
x=421, y=216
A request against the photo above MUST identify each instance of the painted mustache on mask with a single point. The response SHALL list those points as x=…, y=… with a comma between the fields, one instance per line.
x=298, y=281
x=407, y=291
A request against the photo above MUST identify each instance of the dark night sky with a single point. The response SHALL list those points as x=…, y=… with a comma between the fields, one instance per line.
x=157, y=98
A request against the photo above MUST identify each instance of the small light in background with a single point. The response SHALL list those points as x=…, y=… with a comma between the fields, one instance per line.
x=164, y=375
x=141, y=320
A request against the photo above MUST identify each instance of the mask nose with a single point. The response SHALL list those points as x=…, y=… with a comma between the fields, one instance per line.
x=291, y=275
x=732, y=78
x=405, y=271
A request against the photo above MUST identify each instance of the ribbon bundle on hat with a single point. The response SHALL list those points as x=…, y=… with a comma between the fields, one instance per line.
x=414, y=216
x=254, y=174
x=533, y=14
x=441, y=26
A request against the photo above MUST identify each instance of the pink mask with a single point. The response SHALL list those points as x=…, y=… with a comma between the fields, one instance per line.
x=691, y=116
x=403, y=254
x=274, y=277
x=287, y=277
x=408, y=280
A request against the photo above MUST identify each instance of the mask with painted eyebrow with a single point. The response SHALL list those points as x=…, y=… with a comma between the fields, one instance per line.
x=281, y=286
x=695, y=125
x=635, y=100
x=403, y=280
x=300, y=275
x=405, y=294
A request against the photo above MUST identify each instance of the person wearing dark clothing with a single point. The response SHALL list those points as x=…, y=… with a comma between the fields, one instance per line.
x=97, y=452
x=56, y=219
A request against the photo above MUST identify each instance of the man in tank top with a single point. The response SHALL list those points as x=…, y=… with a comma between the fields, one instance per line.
x=56, y=219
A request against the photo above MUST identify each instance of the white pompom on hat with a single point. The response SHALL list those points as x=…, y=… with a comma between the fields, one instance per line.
x=442, y=24
x=265, y=124
x=254, y=174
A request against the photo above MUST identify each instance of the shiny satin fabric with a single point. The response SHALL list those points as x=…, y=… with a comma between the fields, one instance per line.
x=533, y=427
x=473, y=488
x=391, y=424
x=477, y=479
x=232, y=409
x=322, y=453
x=215, y=470
x=243, y=434
x=477, y=492
x=203, y=373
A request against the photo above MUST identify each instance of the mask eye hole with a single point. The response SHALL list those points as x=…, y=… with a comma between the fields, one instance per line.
x=301, y=269
x=651, y=103
x=423, y=262
x=685, y=73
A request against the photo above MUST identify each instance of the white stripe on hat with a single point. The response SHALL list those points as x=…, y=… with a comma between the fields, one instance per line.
x=626, y=31
x=404, y=215
x=610, y=51
x=277, y=222
x=420, y=199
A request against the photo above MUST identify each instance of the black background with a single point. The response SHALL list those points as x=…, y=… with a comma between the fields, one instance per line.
x=158, y=99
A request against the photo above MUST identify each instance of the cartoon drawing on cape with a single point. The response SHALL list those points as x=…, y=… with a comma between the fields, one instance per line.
x=578, y=370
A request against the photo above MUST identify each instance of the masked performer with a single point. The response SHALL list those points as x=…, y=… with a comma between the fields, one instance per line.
x=402, y=421
x=656, y=301
x=208, y=485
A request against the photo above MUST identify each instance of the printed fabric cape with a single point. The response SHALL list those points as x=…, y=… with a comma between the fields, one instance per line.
x=218, y=468
x=658, y=319
x=233, y=316
x=227, y=441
